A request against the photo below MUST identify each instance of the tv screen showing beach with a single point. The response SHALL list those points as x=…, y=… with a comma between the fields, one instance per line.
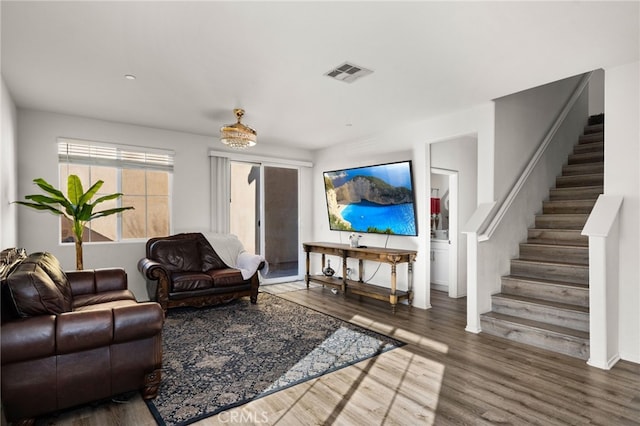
x=373, y=199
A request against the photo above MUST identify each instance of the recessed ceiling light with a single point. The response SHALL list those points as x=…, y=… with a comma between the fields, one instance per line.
x=130, y=76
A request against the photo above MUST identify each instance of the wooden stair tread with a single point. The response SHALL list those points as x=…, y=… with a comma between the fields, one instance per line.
x=570, y=202
x=541, y=262
x=548, y=282
x=582, y=166
x=554, y=246
x=542, y=302
x=548, y=328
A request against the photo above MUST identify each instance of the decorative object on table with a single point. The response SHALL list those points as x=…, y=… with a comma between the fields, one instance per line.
x=78, y=207
x=328, y=271
x=354, y=239
x=237, y=135
x=220, y=357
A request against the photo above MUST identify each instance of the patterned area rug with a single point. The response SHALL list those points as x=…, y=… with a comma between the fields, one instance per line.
x=221, y=357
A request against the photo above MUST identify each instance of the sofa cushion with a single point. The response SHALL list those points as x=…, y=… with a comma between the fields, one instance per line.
x=188, y=281
x=33, y=292
x=104, y=297
x=52, y=267
x=177, y=255
x=210, y=258
x=225, y=277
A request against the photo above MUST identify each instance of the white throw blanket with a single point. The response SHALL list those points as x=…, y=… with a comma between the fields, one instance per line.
x=233, y=254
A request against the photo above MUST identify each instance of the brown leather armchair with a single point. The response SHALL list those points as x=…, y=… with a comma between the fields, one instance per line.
x=185, y=270
x=72, y=338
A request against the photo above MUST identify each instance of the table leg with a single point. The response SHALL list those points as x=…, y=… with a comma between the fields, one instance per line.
x=344, y=276
x=410, y=284
x=393, y=298
x=306, y=277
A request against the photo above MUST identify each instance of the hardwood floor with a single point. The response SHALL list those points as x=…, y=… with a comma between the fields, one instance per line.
x=443, y=376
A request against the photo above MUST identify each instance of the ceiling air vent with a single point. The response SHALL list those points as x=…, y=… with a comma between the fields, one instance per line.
x=348, y=72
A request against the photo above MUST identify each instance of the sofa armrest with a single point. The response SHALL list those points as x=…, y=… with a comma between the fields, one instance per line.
x=94, y=281
x=28, y=338
x=152, y=270
x=155, y=271
x=137, y=322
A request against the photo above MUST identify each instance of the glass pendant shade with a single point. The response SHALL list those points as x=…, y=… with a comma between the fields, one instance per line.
x=238, y=135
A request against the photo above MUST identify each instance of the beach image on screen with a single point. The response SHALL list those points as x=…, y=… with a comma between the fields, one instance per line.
x=373, y=199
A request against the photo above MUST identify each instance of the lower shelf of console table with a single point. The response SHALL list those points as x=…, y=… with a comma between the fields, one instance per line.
x=378, y=254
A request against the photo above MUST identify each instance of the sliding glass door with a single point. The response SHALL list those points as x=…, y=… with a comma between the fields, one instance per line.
x=264, y=215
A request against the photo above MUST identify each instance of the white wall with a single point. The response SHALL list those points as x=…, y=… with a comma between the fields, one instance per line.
x=522, y=121
x=37, y=157
x=621, y=177
x=401, y=143
x=8, y=170
x=461, y=155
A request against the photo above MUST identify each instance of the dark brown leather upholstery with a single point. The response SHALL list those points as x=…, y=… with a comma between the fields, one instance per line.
x=184, y=270
x=72, y=338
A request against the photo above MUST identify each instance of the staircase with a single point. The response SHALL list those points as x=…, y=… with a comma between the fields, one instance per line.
x=545, y=300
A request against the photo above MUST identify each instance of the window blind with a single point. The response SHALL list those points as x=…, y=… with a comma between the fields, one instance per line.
x=75, y=151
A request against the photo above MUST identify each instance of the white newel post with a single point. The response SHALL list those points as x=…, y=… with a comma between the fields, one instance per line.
x=602, y=228
x=473, y=315
x=472, y=229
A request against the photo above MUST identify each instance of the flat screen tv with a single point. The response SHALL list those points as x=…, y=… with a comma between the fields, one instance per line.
x=373, y=199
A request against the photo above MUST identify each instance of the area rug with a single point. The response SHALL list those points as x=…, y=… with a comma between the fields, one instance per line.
x=221, y=357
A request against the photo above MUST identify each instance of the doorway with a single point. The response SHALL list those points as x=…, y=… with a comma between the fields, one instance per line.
x=444, y=241
x=264, y=215
x=456, y=161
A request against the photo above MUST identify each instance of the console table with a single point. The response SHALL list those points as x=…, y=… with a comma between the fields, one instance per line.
x=376, y=254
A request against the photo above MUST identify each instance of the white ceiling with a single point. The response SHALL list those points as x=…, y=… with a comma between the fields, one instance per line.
x=196, y=61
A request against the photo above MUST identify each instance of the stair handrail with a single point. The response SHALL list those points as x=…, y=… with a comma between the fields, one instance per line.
x=499, y=214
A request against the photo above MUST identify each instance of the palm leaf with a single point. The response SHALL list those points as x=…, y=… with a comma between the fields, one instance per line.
x=84, y=213
x=107, y=197
x=109, y=212
x=47, y=187
x=38, y=206
x=90, y=192
x=74, y=189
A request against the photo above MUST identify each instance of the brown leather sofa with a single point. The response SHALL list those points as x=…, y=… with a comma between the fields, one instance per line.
x=185, y=270
x=72, y=338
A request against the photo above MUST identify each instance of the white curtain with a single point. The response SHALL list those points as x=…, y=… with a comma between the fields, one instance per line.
x=220, y=194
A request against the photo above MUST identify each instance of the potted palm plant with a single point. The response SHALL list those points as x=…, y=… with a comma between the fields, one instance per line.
x=77, y=206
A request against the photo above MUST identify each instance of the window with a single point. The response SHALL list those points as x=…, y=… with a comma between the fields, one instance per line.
x=142, y=175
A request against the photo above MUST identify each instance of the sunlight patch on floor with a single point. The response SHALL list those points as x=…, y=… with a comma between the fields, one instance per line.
x=399, y=333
